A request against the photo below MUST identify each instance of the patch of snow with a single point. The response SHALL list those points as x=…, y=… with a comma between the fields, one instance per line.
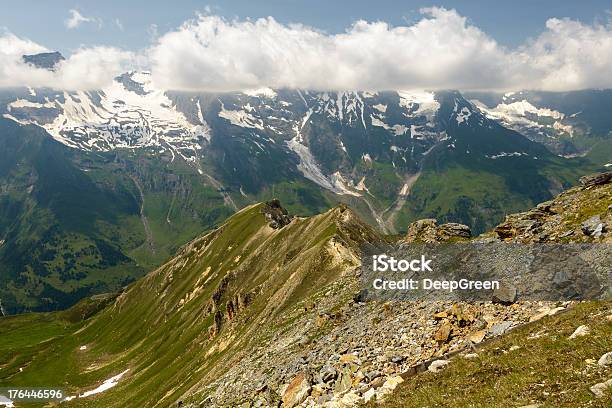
x=5, y=402
x=23, y=103
x=379, y=123
x=399, y=130
x=341, y=185
x=83, y=348
x=505, y=154
x=106, y=385
x=361, y=185
x=267, y=92
x=463, y=116
x=563, y=128
x=425, y=103
x=522, y=114
x=380, y=107
x=366, y=158
x=240, y=118
x=367, y=94
x=309, y=167
x=116, y=117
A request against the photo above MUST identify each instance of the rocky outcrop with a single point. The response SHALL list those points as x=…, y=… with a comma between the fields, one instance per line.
x=428, y=231
x=579, y=214
x=596, y=179
x=275, y=214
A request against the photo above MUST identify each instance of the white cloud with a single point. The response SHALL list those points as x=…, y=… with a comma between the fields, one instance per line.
x=570, y=55
x=76, y=19
x=86, y=68
x=441, y=50
x=11, y=45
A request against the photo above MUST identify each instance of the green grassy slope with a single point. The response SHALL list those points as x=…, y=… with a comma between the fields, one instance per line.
x=549, y=368
x=184, y=324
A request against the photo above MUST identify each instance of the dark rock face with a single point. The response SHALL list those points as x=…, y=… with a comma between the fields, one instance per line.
x=45, y=60
x=429, y=231
x=275, y=214
x=596, y=179
x=130, y=84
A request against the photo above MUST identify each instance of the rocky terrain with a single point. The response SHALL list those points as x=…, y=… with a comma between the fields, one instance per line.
x=581, y=214
x=265, y=311
x=363, y=351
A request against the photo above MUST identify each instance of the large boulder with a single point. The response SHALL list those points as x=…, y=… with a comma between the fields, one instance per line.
x=428, y=231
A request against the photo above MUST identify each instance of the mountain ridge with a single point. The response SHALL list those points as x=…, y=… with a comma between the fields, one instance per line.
x=245, y=311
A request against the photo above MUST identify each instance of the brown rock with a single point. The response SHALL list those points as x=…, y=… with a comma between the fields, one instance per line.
x=477, y=336
x=453, y=230
x=443, y=333
x=422, y=231
x=297, y=391
x=428, y=230
x=440, y=315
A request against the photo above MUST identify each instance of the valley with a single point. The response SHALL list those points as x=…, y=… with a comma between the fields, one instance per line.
x=186, y=161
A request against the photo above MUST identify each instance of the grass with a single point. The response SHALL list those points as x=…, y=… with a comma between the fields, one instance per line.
x=550, y=370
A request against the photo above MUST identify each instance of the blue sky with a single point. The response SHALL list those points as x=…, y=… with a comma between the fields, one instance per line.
x=127, y=24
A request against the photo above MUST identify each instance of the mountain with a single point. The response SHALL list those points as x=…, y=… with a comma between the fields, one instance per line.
x=568, y=123
x=189, y=160
x=266, y=308
x=368, y=149
x=45, y=60
x=74, y=223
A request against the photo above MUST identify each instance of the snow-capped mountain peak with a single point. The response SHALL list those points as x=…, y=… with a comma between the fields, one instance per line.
x=130, y=113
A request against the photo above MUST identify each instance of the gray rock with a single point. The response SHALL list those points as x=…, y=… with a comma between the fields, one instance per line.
x=328, y=373
x=599, y=230
x=605, y=360
x=275, y=214
x=369, y=395
x=371, y=375
x=505, y=295
x=589, y=226
x=596, y=179
x=438, y=365
x=453, y=229
x=500, y=328
x=580, y=331
x=600, y=389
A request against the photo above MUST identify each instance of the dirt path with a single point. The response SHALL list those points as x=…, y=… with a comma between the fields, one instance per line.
x=391, y=213
x=143, y=217
x=227, y=199
x=377, y=217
